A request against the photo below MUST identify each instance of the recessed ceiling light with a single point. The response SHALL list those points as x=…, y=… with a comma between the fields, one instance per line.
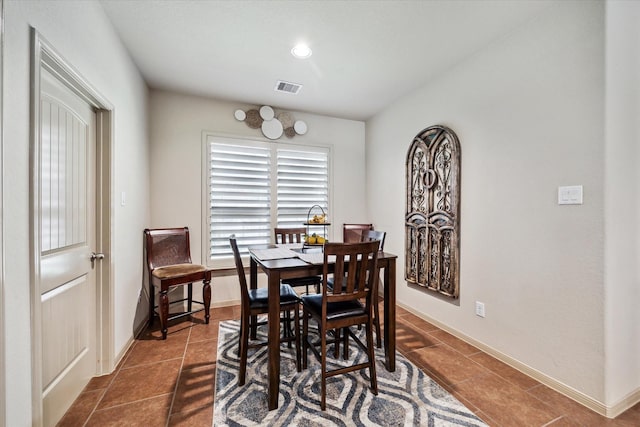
x=301, y=51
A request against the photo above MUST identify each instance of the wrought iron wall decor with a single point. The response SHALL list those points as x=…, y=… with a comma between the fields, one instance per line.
x=432, y=221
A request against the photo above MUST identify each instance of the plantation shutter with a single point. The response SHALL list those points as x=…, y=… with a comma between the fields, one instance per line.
x=240, y=196
x=303, y=181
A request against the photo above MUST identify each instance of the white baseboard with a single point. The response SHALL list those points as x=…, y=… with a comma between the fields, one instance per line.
x=625, y=403
x=124, y=350
x=591, y=403
x=226, y=303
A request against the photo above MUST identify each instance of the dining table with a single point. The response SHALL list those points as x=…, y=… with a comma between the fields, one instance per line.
x=279, y=263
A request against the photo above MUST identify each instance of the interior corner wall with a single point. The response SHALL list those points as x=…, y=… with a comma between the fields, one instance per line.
x=177, y=125
x=82, y=34
x=528, y=110
x=622, y=203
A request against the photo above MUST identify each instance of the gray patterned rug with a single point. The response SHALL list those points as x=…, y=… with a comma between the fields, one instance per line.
x=406, y=397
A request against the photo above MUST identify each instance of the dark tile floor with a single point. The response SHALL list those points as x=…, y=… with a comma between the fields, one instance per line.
x=171, y=383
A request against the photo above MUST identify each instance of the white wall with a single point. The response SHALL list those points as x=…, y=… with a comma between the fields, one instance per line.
x=622, y=201
x=177, y=124
x=529, y=112
x=81, y=33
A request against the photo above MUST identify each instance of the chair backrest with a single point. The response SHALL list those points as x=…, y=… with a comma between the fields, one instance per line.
x=357, y=277
x=369, y=235
x=289, y=235
x=167, y=246
x=244, y=290
x=352, y=233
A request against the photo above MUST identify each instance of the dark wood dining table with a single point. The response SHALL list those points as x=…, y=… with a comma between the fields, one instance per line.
x=284, y=268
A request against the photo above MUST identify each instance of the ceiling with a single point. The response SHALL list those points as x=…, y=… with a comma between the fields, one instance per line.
x=366, y=54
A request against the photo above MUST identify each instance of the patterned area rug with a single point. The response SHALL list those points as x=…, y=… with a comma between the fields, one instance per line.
x=406, y=397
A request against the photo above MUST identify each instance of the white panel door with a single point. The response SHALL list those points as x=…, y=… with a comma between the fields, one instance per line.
x=67, y=164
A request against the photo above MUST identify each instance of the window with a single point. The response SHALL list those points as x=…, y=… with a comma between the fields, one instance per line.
x=254, y=186
x=302, y=181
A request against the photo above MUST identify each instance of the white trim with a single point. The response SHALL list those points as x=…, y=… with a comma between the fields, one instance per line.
x=105, y=218
x=550, y=382
x=204, y=209
x=44, y=56
x=128, y=345
x=3, y=395
x=625, y=403
x=227, y=303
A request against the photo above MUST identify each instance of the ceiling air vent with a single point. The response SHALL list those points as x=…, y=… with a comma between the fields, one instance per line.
x=287, y=87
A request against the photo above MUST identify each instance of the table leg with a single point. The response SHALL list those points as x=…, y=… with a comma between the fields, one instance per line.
x=253, y=284
x=274, y=339
x=390, y=315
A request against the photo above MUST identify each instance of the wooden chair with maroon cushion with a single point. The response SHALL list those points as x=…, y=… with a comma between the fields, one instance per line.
x=352, y=233
x=169, y=265
x=295, y=235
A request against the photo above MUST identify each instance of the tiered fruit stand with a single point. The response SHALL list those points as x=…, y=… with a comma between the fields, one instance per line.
x=316, y=217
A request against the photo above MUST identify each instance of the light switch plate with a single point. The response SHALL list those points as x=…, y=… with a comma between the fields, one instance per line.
x=570, y=195
x=480, y=309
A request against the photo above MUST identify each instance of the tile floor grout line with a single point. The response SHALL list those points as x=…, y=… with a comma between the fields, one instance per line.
x=119, y=367
x=553, y=421
x=144, y=399
x=93, y=411
x=175, y=389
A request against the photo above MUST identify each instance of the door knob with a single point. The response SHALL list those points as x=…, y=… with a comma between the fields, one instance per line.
x=94, y=257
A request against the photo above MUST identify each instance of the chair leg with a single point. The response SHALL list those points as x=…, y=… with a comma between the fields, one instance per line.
x=345, y=343
x=376, y=315
x=372, y=359
x=305, y=337
x=296, y=319
x=336, y=348
x=376, y=324
x=164, y=312
x=323, y=367
x=206, y=294
x=152, y=304
x=189, y=297
x=243, y=348
x=254, y=327
x=287, y=327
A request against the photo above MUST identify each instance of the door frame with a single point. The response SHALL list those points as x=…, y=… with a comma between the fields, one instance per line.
x=3, y=395
x=44, y=56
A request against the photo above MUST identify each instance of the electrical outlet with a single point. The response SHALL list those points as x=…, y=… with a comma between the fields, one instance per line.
x=479, y=309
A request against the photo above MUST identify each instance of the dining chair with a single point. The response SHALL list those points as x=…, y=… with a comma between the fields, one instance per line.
x=352, y=233
x=343, y=307
x=254, y=302
x=296, y=235
x=368, y=236
x=169, y=265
